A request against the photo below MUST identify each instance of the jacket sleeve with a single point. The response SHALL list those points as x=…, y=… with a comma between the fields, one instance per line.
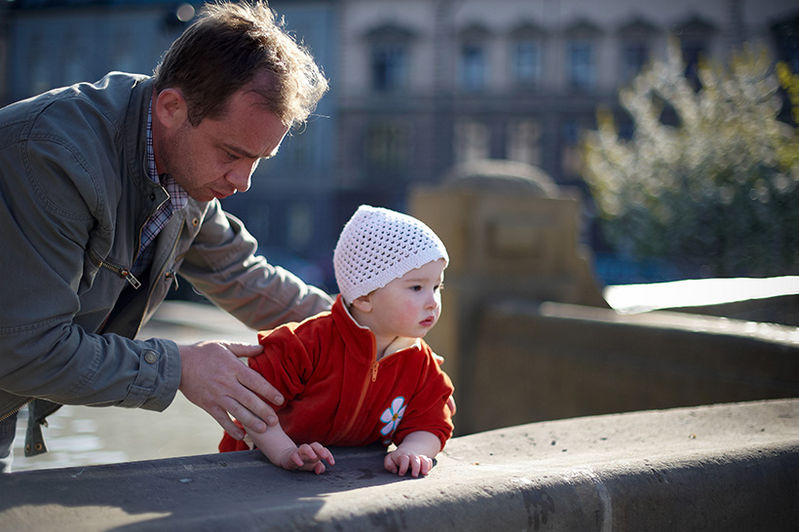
x=49, y=199
x=427, y=409
x=286, y=361
x=222, y=264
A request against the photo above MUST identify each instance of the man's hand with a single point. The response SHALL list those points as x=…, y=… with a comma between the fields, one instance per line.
x=213, y=378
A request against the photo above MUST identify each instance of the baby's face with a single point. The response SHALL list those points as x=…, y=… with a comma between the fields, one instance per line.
x=410, y=305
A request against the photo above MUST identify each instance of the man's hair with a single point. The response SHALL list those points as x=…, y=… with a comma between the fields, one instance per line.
x=226, y=48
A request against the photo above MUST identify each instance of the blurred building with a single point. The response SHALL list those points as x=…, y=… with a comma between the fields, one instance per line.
x=426, y=84
x=418, y=87
x=52, y=43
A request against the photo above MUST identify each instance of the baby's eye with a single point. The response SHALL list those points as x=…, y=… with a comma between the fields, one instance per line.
x=416, y=287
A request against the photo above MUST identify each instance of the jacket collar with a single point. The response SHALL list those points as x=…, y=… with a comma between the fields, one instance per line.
x=360, y=335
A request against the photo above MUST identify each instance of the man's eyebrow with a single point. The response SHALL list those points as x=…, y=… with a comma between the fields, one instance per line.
x=245, y=153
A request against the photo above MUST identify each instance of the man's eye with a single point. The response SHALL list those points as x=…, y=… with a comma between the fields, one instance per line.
x=231, y=156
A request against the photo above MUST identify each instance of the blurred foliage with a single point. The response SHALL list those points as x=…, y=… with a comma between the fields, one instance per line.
x=710, y=178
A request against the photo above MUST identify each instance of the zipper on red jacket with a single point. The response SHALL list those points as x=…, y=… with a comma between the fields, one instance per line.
x=372, y=377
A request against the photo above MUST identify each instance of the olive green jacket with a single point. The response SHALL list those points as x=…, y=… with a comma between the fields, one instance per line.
x=74, y=196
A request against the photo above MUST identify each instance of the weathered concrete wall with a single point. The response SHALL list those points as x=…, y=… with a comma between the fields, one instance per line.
x=549, y=361
x=510, y=233
x=513, y=241
x=723, y=467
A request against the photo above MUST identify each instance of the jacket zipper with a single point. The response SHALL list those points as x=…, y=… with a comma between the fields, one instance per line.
x=14, y=410
x=119, y=270
x=160, y=273
x=372, y=377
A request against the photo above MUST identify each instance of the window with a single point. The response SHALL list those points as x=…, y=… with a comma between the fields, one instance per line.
x=471, y=140
x=389, y=57
x=580, y=63
x=786, y=36
x=694, y=35
x=473, y=58
x=524, y=142
x=636, y=37
x=386, y=146
x=692, y=52
x=472, y=67
x=389, y=66
x=634, y=56
x=527, y=62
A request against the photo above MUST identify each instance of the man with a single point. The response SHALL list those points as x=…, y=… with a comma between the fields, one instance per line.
x=109, y=190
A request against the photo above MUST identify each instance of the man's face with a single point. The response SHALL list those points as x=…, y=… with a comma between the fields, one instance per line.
x=216, y=158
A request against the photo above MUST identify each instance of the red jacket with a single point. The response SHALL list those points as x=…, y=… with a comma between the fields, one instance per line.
x=339, y=394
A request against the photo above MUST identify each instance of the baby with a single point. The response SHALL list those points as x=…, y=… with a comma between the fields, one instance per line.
x=361, y=373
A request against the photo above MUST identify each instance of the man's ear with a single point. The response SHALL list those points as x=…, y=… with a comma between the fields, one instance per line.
x=363, y=303
x=170, y=108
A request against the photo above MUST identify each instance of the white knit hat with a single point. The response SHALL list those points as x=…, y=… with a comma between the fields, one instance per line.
x=379, y=245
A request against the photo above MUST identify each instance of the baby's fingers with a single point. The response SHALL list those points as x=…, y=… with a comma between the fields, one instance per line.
x=388, y=464
x=307, y=453
x=426, y=465
x=296, y=459
x=323, y=453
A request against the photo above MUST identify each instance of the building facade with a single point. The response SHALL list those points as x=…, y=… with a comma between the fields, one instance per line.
x=424, y=85
x=417, y=87
x=52, y=43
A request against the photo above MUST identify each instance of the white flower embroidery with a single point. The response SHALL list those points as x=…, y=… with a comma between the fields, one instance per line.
x=392, y=416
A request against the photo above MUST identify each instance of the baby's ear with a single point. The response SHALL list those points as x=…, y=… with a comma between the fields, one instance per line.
x=363, y=303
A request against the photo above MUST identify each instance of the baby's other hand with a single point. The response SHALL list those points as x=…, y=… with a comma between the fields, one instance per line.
x=400, y=462
x=307, y=457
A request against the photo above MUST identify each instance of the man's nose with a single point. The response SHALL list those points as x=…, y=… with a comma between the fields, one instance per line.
x=240, y=177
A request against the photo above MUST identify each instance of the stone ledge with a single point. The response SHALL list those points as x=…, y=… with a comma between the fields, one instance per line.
x=730, y=467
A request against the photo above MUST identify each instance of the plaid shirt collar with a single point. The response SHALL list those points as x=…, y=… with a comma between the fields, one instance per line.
x=177, y=195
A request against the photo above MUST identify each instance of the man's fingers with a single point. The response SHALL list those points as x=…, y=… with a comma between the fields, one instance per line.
x=213, y=378
x=243, y=350
x=244, y=415
x=250, y=379
x=224, y=421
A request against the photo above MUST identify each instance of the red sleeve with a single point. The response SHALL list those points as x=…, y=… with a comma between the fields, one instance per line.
x=285, y=363
x=427, y=410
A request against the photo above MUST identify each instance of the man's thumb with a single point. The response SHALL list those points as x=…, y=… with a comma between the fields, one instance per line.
x=244, y=350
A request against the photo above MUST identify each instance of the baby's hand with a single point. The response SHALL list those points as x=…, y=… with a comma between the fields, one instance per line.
x=307, y=457
x=400, y=462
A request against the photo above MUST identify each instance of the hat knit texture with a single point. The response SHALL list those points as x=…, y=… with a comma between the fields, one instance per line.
x=379, y=245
